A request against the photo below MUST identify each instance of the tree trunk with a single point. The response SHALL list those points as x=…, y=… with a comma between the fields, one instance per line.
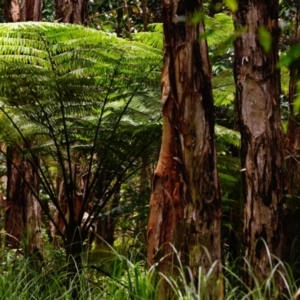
x=23, y=212
x=72, y=11
x=185, y=202
x=24, y=10
x=145, y=14
x=258, y=99
x=107, y=224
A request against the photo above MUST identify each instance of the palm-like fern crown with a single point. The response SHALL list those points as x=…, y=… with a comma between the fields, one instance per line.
x=57, y=73
x=79, y=95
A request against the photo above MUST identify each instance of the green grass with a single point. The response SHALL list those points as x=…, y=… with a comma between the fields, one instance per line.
x=124, y=279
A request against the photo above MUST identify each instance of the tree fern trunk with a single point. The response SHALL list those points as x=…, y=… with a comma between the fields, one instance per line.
x=258, y=99
x=185, y=202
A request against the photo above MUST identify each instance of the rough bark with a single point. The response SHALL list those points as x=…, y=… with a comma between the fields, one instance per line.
x=24, y=10
x=23, y=212
x=258, y=100
x=185, y=202
x=72, y=11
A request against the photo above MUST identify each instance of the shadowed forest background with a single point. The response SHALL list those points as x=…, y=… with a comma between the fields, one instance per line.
x=149, y=149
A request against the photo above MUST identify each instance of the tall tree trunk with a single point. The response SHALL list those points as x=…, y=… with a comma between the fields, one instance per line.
x=24, y=10
x=185, y=202
x=72, y=11
x=23, y=212
x=258, y=99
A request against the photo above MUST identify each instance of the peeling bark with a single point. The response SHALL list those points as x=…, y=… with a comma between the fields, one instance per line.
x=258, y=99
x=72, y=11
x=24, y=10
x=185, y=206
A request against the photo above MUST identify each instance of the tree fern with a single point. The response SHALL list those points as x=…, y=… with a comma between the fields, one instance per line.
x=85, y=100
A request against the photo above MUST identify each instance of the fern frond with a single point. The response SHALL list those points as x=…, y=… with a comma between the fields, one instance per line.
x=228, y=136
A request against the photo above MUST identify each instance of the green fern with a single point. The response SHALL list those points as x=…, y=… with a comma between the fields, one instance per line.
x=72, y=96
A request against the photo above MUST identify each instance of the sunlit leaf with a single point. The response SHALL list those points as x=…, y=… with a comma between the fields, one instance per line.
x=232, y=5
x=265, y=39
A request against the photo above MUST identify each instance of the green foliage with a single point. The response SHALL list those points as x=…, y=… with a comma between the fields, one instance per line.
x=215, y=28
x=265, y=39
x=290, y=60
x=152, y=37
x=223, y=88
x=232, y=5
x=130, y=280
x=118, y=16
x=229, y=136
x=78, y=99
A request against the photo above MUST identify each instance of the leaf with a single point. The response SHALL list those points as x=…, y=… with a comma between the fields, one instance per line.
x=291, y=57
x=297, y=101
x=232, y=5
x=265, y=39
x=229, y=136
x=197, y=17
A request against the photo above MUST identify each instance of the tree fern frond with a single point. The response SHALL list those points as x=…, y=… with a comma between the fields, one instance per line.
x=228, y=136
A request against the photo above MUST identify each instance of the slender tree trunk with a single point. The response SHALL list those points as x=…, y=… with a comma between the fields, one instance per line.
x=185, y=203
x=58, y=218
x=146, y=174
x=72, y=11
x=24, y=10
x=258, y=99
x=144, y=14
x=107, y=225
x=127, y=17
x=23, y=212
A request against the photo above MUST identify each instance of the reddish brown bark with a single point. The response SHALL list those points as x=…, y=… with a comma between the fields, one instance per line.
x=24, y=10
x=23, y=212
x=72, y=11
x=185, y=203
x=258, y=100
